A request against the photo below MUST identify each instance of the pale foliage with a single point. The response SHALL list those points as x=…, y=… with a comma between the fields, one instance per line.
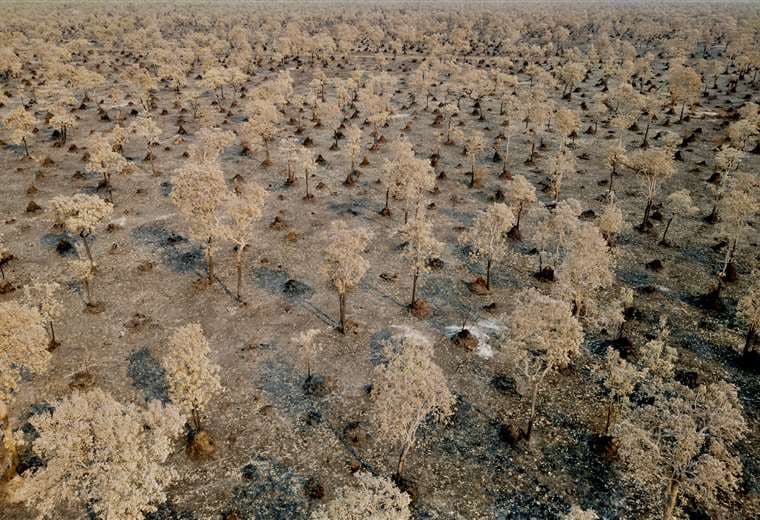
x=198, y=192
x=585, y=271
x=23, y=343
x=681, y=443
x=210, y=143
x=21, y=123
x=102, y=454
x=406, y=391
x=193, y=378
x=80, y=213
x=542, y=336
x=422, y=243
x=344, y=264
x=578, y=513
x=487, y=235
x=42, y=296
x=371, y=498
x=611, y=222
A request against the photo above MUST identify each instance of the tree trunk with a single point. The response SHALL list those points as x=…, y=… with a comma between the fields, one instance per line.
x=645, y=142
x=26, y=147
x=87, y=292
x=680, y=117
x=401, y=461
x=414, y=286
x=87, y=249
x=239, y=267
x=210, y=260
x=9, y=446
x=196, y=418
x=52, y=333
x=532, y=416
x=488, y=273
x=342, y=304
x=665, y=233
x=610, y=413
x=648, y=208
x=670, y=500
x=750, y=337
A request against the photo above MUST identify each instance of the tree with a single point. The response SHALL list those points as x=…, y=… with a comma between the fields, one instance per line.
x=308, y=348
x=521, y=194
x=192, y=377
x=681, y=444
x=81, y=214
x=727, y=162
x=740, y=202
x=406, y=391
x=104, y=159
x=101, y=455
x=42, y=296
x=543, y=336
x=680, y=205
x=406, y=176
x=611, y=222
x=21, y=123
x=567, y=121
x=654, y=165
x=209, y=144
x=578, y=513
x=261, y=127
x=488, y=236
x=449, y=110
x=146, y=128
x=748, y=311
x=474, y=144
x=619, y=379
x=23, y=348
x=685, y=86
x=585, y=271
x=344, y=264
x=353, y=147
x=562, y=163
x=421, y=245
x=290, y=148
x=198, y=193
x=374, y=498
x=309, y=166
x=240, y=212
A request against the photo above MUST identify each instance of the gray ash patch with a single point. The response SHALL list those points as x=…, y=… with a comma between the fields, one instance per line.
x=279, y=282
x=464, y=218
x=270, y=491
x=524, y=506
x=284, y=387
x=52, y=240
x=148, y=375
x=167, y=511
x=377, y=344
x=175, y=251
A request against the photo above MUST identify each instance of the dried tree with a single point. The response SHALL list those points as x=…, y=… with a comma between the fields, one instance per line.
x=654, y=165
x=353, y=147
x=23, y=347
x=199, y=192
x=240, y=212
x=42, y=296
x=193, y=380
x=748, y=311
x=420, y=246
x=101, y=456
x=374, y=498
x=308, y=348
x=619, y=379
x=543, y=336
x=585, y=271
x=406, y=391
x=344, y=264
x=21, y=124
x=680, y=445
x=680, y=205
x=521, y=195
x=81, y=214
x=488, y=236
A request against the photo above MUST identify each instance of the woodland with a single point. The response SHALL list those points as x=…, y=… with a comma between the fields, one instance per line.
x=388, y=261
